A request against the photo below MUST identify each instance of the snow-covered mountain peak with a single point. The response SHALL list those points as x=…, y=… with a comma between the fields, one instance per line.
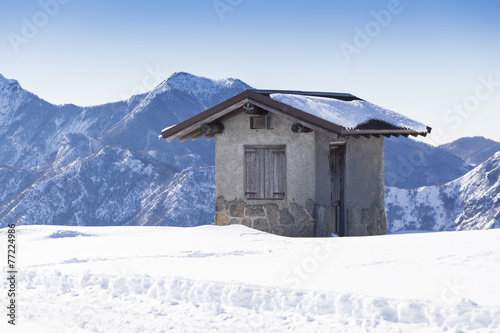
x=474, y=150
x=8, y=85
x=3, y=78
x=484, y=176
x=201, y=92
x=493, y=161
x=11, y=97
x=496, y=158
x=202, y=88
x=193, y=85
x=467, y=203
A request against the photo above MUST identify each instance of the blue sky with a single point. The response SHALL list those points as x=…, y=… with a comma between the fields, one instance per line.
x=435, y=61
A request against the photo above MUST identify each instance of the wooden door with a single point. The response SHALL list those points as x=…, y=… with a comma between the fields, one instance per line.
x=337, y=161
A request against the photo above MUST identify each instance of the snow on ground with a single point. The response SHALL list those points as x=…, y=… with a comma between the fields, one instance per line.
x=235, y=279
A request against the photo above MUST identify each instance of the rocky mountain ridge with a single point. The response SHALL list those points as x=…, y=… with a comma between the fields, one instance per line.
x=474, y=150
x=104, y=165
x=468, y=203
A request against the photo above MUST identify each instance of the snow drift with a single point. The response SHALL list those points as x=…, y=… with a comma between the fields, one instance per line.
x=211, y=279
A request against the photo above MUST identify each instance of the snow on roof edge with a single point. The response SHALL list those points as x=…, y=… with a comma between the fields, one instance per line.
x=347, y=114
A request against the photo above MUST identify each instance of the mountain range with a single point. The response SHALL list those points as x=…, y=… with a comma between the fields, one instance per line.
x=467, y=203
x=473, y=150
x=412, y=164
x=104, y=165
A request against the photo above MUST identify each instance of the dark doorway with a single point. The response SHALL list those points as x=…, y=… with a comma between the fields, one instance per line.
x=336, y=223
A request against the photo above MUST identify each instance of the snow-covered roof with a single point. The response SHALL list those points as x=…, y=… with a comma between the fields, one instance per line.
x=348, y=114
x=343, y=114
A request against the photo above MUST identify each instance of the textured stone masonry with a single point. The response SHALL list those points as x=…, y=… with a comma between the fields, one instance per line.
x=292, y=221
x=366, y=221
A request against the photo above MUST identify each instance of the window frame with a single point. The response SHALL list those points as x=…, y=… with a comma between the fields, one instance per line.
x=274, y=188
x=266, y=120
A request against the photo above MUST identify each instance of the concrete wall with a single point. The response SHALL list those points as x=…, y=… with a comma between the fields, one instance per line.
x=364, y=184
x=306, y=210
x=288, y=217
x=229, y=156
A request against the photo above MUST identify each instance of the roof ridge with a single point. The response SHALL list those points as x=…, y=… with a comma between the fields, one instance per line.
x=336, y=95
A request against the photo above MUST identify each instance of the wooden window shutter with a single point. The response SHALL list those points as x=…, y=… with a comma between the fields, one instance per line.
x=278, y=173
x=265, y=172
x=251, y=174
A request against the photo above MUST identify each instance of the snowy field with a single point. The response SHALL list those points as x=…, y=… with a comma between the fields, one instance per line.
x=235, y=279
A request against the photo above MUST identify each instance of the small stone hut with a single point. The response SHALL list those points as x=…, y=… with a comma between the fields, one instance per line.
x=296, y=163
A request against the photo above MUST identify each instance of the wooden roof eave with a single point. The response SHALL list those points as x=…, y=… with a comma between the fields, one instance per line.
x=189, y=129
x=192, y=125
x=386, y=133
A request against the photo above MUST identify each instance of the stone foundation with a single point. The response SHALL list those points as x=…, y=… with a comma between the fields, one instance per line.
x=326, y=220
x=366, y=221
x=360, y=221
x=291, y=220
